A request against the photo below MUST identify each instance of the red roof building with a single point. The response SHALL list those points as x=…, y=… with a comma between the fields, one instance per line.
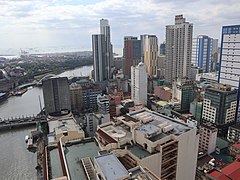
x=230, y=172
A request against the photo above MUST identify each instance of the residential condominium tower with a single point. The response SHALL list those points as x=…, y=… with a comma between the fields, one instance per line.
x=139, y=84
x=229, y=71
x=202, y=53
x=178, y=49
x=149, y=52
x=131, y=54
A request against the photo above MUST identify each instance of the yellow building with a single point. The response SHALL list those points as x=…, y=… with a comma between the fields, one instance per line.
x=150, y=53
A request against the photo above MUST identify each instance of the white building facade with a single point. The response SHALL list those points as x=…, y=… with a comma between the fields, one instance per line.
x=178, y=49
x=139, y=84
x=229, y=71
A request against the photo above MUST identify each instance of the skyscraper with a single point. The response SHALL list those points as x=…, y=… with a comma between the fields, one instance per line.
x=149, y=52
x=99, y=57
x=178, y=49
x=139, y=84
x=202, y=54
x=229, y=71
x=105, y=30
x=131, y=54
x=102, y=52
x=56, y=94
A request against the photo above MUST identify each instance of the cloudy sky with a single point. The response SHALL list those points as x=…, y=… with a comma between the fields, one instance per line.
x=70, y=23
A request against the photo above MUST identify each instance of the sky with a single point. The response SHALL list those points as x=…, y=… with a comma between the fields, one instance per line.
x=69, y=24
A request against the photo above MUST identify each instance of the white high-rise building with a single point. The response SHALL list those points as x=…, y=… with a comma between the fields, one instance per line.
x=229, y=71
x=178, y=49
x=139, y=84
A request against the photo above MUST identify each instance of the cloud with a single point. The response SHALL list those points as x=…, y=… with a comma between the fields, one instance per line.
x=27, y=23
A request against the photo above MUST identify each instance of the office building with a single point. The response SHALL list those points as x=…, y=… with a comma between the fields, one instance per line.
x=139, y=84
x=207, y=138
x=196, y=110
x=131, y=54
x=76, y=97
x=105, y=30
x=103, y=104
x=178, y=49
x=99, y=48
x=149, y=46
x=202, y=53
x=159, y=143
x=183, y=93
x=229, y=72
x=219, y=107
x=56, y=94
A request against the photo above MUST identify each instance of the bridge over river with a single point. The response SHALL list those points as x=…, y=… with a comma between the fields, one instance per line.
x=21, y=121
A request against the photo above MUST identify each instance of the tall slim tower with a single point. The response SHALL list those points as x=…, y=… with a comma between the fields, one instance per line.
x=131, y=54
x=202, y=57
x=105, y=30
x=150, y=53
x=178, y=49
x=229, y=71
x=56, y=94
x=99, y=57
x=139, y=84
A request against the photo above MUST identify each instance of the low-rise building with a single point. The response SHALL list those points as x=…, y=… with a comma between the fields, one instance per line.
x=234, y=133
x=234, y=149
x=63, y=124
x=103, y=104
x=154, y=141
x=207, y=138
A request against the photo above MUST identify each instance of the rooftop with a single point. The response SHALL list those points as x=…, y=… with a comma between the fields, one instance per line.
x=236, y=145
x=236, y=126
x=138, y=151
x=55, y=163
x=221, y=143
x=166, y=124
x=75, y=153
x=111, y=167
x=229, y=172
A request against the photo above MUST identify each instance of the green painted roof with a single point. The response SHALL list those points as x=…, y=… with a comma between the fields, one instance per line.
x=221, y=143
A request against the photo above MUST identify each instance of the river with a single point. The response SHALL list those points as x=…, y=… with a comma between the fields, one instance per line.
x=16, y=162
x=28, y=104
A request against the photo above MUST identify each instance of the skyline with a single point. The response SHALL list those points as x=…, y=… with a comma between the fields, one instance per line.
x=70, y=23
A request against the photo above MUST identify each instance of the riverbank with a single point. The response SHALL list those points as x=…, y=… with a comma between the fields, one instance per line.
x=28, y=104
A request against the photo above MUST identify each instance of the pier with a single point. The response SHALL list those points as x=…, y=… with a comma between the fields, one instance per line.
x=9, y=123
